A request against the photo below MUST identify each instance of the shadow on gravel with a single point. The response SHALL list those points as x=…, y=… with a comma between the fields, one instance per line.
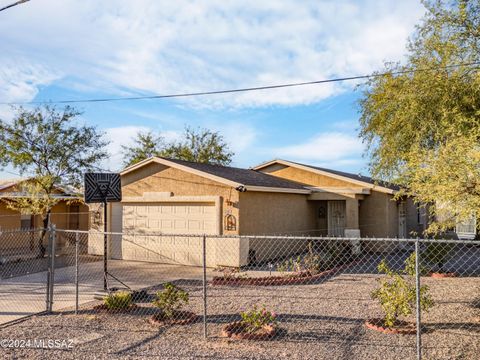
x=226, y=318
x=473, y=327
x=140, y=343
x=138, y=311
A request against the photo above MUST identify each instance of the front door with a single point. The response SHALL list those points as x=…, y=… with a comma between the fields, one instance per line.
x=336, y=218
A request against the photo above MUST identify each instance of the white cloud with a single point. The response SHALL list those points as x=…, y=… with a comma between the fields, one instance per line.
x=238, y=136
x=331, y=149
x=20, y=81
x=149, y=46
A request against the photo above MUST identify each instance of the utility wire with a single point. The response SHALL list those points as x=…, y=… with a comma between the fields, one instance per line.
x=257, y=88
x=14, y=4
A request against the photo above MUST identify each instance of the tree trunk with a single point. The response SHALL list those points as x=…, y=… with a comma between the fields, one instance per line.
x=41, y=248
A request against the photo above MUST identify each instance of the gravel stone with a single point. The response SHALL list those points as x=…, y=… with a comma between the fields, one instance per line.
x=318, y=321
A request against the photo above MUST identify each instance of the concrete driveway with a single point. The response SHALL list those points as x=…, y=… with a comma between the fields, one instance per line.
x=25, y=295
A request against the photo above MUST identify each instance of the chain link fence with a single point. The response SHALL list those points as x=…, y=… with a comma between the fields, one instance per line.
x=307, y=297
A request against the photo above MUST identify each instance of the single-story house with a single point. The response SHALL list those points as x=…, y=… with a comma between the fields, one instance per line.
x=66, y=214
x=165, y=196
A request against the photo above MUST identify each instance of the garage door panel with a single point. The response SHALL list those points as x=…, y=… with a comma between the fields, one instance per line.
x=194, y=225
x=166, y=224
x=166, y=209
x=166, y=218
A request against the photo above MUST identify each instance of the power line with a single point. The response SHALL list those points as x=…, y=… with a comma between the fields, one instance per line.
x=14, y=4
x=256, y=88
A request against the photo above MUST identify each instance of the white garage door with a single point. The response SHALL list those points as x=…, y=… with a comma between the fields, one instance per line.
x=170, y=218
x=161, y=220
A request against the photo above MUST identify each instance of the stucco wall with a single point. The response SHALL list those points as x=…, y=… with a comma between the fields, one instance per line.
x=11, y=219
x=275, y=213
x=306, y=177
x=159, y=178
x=21, y=241
x=378, y=215
x=263, y=213
x=379, y=218
x=414, y=227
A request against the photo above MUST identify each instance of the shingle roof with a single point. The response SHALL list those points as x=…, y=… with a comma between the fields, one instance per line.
x=357, y=177
x=247, y=177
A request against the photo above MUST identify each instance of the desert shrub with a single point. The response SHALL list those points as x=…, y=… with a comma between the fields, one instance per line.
x=397, y=292
x=171, y=299
x=232, y=273
x=291, y=265
x=257, y=318
x=118, y=300
x=317, y=258
x=436, y=255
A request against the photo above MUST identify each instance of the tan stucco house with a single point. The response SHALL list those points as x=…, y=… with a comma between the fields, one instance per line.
x=164, y=196
x=66, y=214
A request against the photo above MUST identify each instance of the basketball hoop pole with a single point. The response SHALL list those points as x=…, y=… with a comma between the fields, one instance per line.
x=105, y=246
x=103, y=188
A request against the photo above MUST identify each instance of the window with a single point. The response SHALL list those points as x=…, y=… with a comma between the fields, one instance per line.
x=26, y=221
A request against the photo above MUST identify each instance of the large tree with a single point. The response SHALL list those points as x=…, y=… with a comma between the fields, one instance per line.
x=199, y=145
x=422, y=121
x=45, y=145
x=145, y=145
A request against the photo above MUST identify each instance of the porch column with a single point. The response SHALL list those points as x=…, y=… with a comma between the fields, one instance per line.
x=351, y=214
x=352, y=229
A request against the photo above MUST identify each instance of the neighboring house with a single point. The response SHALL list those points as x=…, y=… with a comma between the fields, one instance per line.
x=279, y=197
x=66, y=214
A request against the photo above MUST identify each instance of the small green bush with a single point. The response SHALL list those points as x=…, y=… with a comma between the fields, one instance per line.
x=397, y=292
x=118, y=300
x=256, y=318
x=171, y=299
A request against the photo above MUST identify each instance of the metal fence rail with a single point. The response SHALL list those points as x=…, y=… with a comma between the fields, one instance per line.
x=326, y=295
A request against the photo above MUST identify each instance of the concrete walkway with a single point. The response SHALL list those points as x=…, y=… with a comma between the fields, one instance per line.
x=25, y=295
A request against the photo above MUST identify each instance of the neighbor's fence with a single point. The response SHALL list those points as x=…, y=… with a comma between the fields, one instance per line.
x=326, y=293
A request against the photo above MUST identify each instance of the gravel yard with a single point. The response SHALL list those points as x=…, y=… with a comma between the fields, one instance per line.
x=318, y=321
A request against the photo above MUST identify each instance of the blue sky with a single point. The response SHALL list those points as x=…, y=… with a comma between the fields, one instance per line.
x=69, y=49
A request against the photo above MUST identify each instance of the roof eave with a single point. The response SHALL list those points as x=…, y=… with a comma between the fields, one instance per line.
x=326, y=173
x=183, y=168
x=278, y=190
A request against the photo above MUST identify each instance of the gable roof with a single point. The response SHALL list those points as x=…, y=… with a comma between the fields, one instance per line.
x=353, y=178
x=250, y=179
x=5, y=184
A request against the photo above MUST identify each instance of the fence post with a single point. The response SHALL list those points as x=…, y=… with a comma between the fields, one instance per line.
x=204, y=253
x=49, y=262
x=418, y=308
x=76, y=271
x=51, y=268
